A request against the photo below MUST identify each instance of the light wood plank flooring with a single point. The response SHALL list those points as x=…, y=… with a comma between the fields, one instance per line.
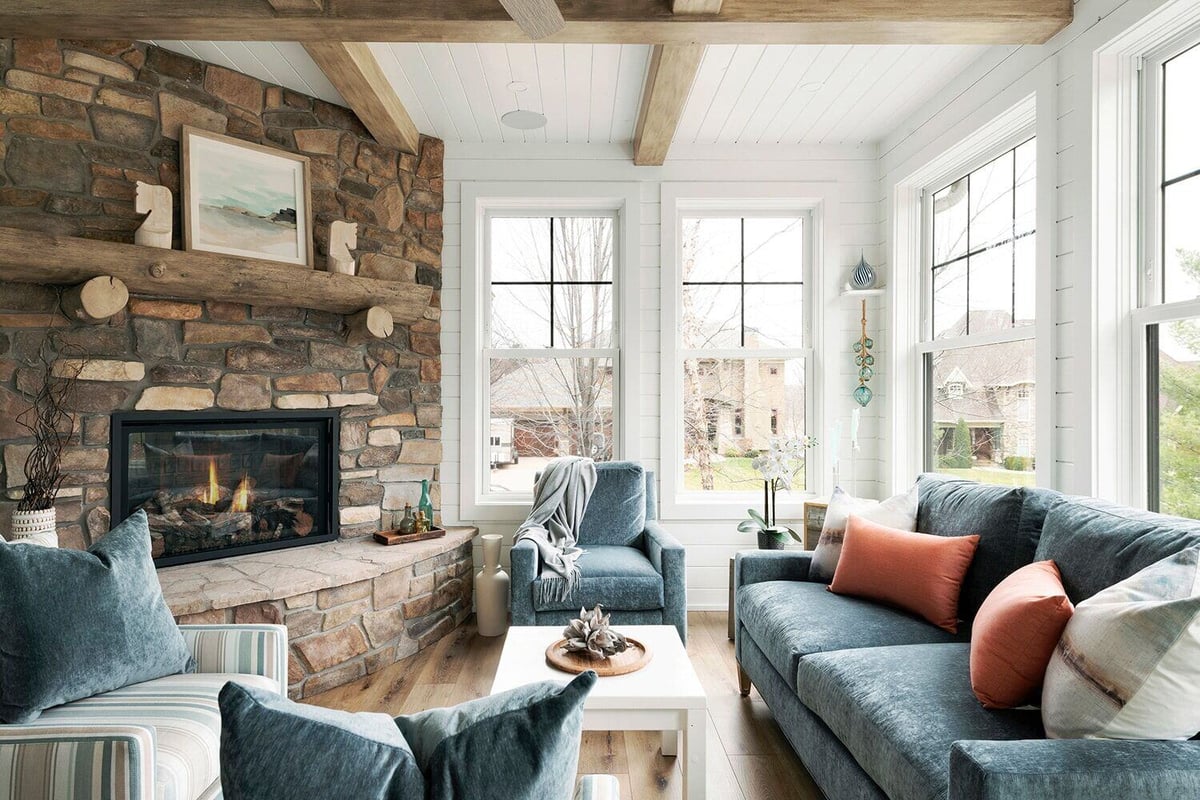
x=748, y=757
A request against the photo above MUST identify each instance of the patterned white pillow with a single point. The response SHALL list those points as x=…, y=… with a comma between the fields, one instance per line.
x=1128, y=663
x=899, y=511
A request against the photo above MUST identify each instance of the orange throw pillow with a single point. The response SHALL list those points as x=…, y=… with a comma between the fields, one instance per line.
x=918, y=572
x=1015, y=633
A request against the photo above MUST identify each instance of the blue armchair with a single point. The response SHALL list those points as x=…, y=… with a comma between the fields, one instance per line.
x=632, y=566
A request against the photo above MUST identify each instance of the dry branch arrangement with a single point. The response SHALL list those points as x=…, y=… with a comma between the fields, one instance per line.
x=50, y=423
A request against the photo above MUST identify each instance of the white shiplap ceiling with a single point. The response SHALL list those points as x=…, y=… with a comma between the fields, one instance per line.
x=743, y=94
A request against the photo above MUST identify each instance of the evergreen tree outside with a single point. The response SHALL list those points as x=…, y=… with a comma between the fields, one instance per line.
x=1179, y=411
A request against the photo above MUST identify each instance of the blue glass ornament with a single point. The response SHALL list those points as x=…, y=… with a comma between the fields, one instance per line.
x=862, y=396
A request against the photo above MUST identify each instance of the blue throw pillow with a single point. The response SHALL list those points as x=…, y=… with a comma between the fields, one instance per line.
x=77, y=624
x=522, y=744
x=273, y=748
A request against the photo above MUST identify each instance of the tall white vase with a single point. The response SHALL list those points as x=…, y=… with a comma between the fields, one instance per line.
x=491, y=590
x=35, y=527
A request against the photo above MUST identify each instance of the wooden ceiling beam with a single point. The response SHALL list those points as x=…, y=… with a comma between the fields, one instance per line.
x=596, y=21
x=538, y=18
x=696, y=6
x=354, y=71
x=672, y=70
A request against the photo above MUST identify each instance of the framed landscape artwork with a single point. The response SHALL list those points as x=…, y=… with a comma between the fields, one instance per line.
x=244, y=199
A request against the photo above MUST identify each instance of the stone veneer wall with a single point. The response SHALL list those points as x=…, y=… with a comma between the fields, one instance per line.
x=80, y=122
x=418, y=594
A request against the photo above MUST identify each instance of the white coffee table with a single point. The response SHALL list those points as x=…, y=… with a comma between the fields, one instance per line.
x=665, y=695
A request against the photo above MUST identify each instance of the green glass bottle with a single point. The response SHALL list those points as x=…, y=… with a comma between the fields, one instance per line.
x=425, y=504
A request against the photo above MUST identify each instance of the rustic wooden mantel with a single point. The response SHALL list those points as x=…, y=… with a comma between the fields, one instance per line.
x=33, y=257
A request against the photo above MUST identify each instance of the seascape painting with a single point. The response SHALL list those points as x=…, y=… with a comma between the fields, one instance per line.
x=246, y=200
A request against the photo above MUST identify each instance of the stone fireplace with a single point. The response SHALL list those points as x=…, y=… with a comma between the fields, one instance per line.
x=215, y=485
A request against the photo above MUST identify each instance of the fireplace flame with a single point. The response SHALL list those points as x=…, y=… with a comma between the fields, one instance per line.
x=213, y=494
x=241, y=497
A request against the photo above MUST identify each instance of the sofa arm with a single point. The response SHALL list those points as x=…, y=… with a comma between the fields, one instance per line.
x=1073, y=769
x=523, y=559
x=240, y=650
x=53, y=762
x=757, y=566
x=598, y=787
x=670, y=559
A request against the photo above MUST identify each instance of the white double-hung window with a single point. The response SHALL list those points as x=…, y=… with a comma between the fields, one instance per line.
x=547, y=296
x=978, y=341
x=738, y=368
x=1167, y=319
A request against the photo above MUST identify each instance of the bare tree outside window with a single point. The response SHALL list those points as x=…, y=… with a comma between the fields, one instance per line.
x=552, y=344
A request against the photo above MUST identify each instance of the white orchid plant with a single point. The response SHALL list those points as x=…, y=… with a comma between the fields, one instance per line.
x=779, y=466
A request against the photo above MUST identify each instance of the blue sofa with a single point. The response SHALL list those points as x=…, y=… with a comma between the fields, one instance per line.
x=878, y=703
x=632, y=566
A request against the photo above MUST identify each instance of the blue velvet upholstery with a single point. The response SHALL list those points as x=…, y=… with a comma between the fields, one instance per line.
x=616, y=577
x=522, y=744
x=899, y=709
x=1007, y=519
x=272, y=748
x=769, y=611
x=616, y=512
x=901, y=721
x=1097, y=544
x=639, y=577
x=75, y=623
x=1074, y=769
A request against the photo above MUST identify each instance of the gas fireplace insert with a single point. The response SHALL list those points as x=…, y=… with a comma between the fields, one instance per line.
x=223, y=484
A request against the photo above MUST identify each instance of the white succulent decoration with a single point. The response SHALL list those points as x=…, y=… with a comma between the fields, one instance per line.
x=778, y=467
x=591, y=634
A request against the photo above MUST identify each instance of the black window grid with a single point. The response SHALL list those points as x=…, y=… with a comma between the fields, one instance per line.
x=742, y=283
x=552, y=282
x=1012, y=240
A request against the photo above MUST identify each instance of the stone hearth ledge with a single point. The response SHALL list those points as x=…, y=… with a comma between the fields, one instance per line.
x=280, y=574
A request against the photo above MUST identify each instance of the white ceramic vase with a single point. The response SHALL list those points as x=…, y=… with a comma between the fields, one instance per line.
x=491, y=590
x=35, y=527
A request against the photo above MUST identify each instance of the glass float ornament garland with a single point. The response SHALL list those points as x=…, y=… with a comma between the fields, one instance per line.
x=865, y=362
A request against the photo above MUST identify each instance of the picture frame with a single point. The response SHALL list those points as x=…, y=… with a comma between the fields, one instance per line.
x=245, y=199
x=814, y=521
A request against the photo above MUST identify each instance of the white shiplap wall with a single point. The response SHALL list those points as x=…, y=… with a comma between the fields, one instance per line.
x=852, y=169
x=998, y=80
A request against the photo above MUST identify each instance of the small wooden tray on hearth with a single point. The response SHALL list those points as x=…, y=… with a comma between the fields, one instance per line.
x=396, y=537
x=634, y=658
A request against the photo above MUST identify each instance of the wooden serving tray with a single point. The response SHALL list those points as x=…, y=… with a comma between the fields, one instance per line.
x=634, y=658
x=395, y=537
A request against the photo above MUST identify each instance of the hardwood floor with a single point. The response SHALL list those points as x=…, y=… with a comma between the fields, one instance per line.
x=748, y=757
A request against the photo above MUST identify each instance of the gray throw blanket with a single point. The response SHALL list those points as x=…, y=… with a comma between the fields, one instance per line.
x=559, y=500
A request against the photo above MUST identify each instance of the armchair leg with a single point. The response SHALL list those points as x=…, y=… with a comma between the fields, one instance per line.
x=743, y=681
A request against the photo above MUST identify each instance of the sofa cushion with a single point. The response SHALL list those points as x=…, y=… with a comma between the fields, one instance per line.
x=792, y=619
x=78, y=623
x=616, y=512
x=1097, y=544
x=899, y=709
x=1008, y=520
x=182, y=710
x=619, y=578
x=272, y=747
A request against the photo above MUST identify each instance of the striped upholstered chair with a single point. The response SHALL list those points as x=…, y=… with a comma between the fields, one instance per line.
x=158, y=740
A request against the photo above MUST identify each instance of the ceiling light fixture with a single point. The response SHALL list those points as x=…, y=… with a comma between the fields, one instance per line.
x=518, y=86
x=524, y=120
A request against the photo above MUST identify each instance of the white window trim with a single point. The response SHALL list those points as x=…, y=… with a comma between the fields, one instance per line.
x=1149, y=308
x=1033, y=115
x=1124, y=248
x=479, y=199
x=818, y=200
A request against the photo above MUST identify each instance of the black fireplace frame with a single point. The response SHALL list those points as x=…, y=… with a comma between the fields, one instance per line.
x=328, y=466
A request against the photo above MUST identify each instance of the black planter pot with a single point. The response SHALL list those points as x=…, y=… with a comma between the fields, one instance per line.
x=769, y=541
